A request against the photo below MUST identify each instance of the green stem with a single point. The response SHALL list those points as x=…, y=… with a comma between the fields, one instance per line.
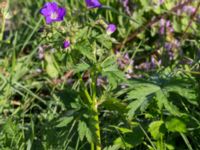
x=97, y=127
x=88, y=96
x=96, y=116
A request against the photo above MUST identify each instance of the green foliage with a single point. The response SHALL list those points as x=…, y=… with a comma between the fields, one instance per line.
x=111, y=71
x=51, y=67
x=127, y=90
x=64, y=121
x=129, y=139
x=157, y=129
x=86, y=50
x=142, y=93
x=176, y=125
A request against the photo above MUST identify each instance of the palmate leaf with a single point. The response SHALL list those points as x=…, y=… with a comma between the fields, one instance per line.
x=140, y=93
x=183, y=89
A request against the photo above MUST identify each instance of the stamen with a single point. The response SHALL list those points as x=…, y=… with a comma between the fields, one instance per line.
x=54, y=15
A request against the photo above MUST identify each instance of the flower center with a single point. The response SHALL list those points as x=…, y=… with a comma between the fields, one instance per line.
x=54, y=15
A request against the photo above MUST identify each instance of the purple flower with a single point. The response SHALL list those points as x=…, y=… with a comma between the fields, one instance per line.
x=169, y=26
x=93, y=3
x=189, y=9
x=66, y=44
x=52, y=12
x=111, y=28
x=162, y=26
x=165, y=26
x=168, y=23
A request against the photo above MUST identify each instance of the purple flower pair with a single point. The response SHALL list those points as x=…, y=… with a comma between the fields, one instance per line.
x=53, y=13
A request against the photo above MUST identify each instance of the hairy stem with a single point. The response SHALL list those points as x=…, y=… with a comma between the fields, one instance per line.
x=96, y=116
